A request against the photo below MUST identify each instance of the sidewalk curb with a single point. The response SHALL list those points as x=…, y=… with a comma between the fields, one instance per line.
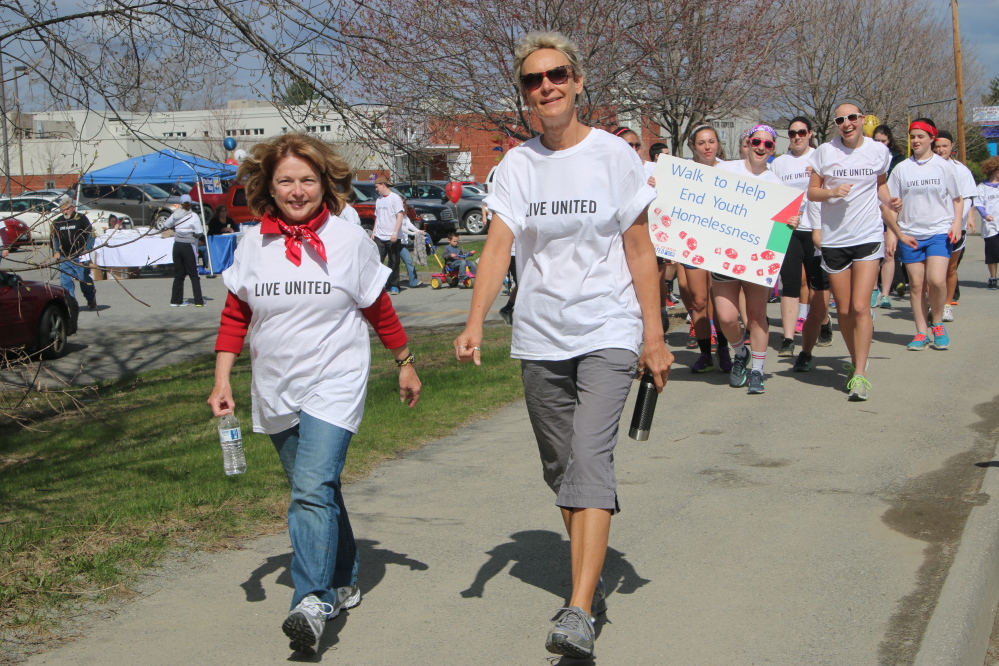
x=959, y=631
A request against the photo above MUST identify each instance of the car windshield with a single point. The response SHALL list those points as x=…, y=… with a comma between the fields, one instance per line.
x=362, y=194
x=471, y=191
x=153, y=191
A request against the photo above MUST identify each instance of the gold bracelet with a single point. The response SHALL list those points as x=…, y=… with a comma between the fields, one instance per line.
x=406, y=361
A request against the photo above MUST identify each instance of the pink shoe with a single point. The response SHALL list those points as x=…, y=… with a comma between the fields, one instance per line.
x=800, y=325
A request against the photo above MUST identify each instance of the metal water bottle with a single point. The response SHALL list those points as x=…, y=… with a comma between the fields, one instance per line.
x=645, y=408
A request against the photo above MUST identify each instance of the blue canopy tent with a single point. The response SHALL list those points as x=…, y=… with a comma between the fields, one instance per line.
x=160, y=167
x=164, y=166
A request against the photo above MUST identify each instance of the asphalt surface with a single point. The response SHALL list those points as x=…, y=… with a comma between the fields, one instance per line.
x=790, y=528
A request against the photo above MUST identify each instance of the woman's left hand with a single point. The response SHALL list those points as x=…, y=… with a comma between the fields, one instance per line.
x=409, y=385
x=658, y=359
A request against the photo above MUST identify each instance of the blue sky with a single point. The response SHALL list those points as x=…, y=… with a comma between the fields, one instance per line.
x=980, y=27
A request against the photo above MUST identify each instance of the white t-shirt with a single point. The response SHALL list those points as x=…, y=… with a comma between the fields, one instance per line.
x=348, y=213
x=795, y=172
x=927, y=190
x=386, y=209
x=567, y=210
x=966, y=185
x=650, y=168
x=856, y=218
x=988, y=198
x=309, y=345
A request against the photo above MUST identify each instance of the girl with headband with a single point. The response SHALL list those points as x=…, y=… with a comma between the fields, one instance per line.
x=849, y=176
x=925, y=192
x=762, y=143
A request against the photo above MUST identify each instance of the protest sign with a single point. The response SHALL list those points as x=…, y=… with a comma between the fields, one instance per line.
x=721, y=221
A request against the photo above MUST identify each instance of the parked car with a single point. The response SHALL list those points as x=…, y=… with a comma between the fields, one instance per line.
x=209, y=202
x=436, y=218
x=469, y=206
x=432, y=192
x=14, y=234
x=35, y=316
x=37, y=212
x=147, y=205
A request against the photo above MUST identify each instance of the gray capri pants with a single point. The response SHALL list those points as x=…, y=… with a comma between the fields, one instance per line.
x=575, y=406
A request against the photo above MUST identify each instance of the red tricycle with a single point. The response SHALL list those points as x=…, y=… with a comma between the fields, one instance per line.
x=449, y=275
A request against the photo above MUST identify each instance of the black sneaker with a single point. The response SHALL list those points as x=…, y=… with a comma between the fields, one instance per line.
x=803, y=364
x=507, y=313
x=825, y=335
x=993, y=283
x=92, y=304
x=572, y=635
x=786, y=348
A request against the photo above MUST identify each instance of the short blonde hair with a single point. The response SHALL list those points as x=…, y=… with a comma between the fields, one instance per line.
x=257, y=170
x=535, y=41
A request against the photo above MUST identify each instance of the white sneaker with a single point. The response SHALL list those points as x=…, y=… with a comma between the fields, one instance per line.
x=346, y=598
x=179, y=305
x=948, y=314
x=305, y=623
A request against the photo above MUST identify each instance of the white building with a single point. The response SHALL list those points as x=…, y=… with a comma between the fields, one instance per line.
x=55, y=145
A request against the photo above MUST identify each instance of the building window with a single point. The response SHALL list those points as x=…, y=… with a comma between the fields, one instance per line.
x=258, y=131
x=325, y=128
x=182, y=134
x=168, y=135
x=284, y=130
x=50, y=184
x=206, y=134
x=310, y=128
x=229, y=132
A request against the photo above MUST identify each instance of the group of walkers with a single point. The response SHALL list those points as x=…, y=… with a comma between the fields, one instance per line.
x=588, y=309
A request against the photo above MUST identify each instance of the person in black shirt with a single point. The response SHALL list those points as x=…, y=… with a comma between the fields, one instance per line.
x=70, y=240
x=221, y=223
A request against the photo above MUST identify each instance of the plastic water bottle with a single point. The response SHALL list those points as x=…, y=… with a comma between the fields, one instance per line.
x=231, y=439
x=645, y=408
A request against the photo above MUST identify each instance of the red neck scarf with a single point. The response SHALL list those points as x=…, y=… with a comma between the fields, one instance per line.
x=294, y=234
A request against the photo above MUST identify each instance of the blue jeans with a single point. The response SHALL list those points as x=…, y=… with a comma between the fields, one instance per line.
x=70, y=271
x=203, y=253
x=324, y=555
x=461, y=264
x=408, y=260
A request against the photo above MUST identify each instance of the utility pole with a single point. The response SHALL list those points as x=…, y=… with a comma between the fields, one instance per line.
x=959, y=73
x=3, y=121
x=19, y=130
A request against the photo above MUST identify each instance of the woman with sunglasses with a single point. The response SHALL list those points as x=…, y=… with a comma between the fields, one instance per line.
x=849, y=176
x=924, y=188
x=574, y=199
x=793, y=170
x=705, y=145
x=762, y=142
x=630, y=136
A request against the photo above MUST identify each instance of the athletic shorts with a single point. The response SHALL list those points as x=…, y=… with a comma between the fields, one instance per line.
x=934, y=246
x=575, y=406
x=992, y=249
x=801, y=254
x=838, y=259
x=960, y=244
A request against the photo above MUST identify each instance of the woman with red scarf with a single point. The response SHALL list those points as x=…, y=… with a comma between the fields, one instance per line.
x=306, y=280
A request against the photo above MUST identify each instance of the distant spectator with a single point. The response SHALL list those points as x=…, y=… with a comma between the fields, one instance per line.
x=221, y=223
x=70, y=241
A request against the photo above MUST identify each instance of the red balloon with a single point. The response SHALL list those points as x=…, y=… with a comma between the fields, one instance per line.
x=453, y=191
x=232, y=162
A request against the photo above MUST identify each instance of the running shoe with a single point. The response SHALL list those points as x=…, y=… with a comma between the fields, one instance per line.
x=900, y=289
x=993, y=283
x=875, y=297
x=724, y=359
x=919, y=343
x=599, y=604
x=346, y=598
x=832, y=303
x=182, y=304
x=786, y=348
x=954, y=302
x=885, y=302
x=948, y=314
x=572, y=635
x=305, y=624
x=737, y=377
x=851, y=370
x=803, y=364
x=507, y=313
x=691, y=337
x=394, y=291
x=940, y=338
x=857, y=388
x=704, y=363
x=825, y=335
x=755, y=383
x=800, y=324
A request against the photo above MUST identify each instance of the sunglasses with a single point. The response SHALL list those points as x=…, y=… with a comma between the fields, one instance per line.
x=793, y=133
x=767, y=143
x=853, y=117
x=557, y=75
x=636, y=146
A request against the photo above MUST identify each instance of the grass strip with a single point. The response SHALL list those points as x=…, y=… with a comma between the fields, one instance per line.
x=87, y=498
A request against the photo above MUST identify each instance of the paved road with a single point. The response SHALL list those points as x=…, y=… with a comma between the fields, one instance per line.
x=789, y=528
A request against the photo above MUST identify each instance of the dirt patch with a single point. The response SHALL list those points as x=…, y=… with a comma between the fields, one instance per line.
x=934, y=508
